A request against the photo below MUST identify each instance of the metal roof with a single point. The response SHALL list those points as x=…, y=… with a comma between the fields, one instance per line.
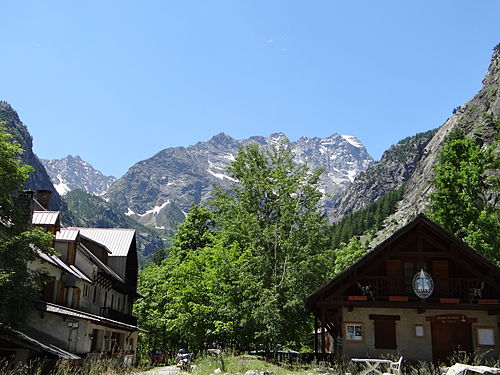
x=45, y=217
x=56, y=261
x=67, y=234
x=97, y=319
x=97, y=261
x=117, y=240
x=30, y=342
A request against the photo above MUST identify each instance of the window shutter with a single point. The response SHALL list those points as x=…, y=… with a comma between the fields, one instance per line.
x=61, y=292
x=385, y=331
x=441, y=276
x=75, y=303
x=395, y=275
x=48, y=291
x=385, y=334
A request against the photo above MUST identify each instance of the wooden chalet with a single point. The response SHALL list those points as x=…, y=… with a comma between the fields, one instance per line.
x=422, y=293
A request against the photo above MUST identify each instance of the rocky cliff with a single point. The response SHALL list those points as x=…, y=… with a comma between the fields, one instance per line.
x=479, y=118
x=39, y=179
x=389, y=173
x=160, y=190
x=73, y=173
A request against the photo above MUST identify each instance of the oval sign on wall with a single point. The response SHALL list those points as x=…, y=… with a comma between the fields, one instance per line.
x=423, y=285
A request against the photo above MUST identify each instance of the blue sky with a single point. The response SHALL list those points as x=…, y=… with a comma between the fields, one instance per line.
x=117, y=81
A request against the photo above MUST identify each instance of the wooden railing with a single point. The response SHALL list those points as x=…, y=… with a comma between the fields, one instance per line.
x=381, y=287
x=107, y=312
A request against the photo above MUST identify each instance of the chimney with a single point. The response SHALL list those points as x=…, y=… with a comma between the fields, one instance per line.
x=24, y=203
x=43, y=197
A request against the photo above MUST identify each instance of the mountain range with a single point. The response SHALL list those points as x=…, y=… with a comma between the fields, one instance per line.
x=157, y=192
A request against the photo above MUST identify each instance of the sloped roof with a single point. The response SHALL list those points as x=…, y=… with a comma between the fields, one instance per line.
x=67, y=234
x=45, y=217
x=117, y=240
x=66, y=311
x=31, y=343
x=56, y=261
x=97, y=261
x=462, y=250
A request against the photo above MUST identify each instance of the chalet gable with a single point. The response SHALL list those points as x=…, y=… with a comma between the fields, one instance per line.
x=460, y=274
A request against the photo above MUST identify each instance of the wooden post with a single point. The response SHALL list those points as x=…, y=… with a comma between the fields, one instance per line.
x=323, y=330
x=315, y=336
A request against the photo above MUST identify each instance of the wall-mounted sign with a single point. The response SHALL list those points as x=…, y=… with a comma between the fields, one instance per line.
x=423, y=285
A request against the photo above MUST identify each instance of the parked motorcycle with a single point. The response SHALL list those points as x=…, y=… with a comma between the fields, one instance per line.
x=183, y=360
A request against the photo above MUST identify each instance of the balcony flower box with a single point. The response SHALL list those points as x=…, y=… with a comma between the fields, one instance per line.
x=398, y=298
x=357, y=298
x=487, y=301
x=449, y=300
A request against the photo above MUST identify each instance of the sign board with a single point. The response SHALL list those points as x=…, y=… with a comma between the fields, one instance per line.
x=423, y=285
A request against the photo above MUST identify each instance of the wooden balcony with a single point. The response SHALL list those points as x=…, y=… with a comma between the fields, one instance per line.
x=380, y=288
x=112, y=314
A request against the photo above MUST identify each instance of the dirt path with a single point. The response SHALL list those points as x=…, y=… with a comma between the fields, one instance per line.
x=167, y=370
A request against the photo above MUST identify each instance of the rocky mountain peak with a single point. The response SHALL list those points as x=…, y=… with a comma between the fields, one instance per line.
x=72, y=172
x=160, y=190
x=221, y=139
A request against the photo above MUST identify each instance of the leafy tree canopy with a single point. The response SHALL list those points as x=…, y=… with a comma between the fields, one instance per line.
x=460, y=202
x=239, y=272
x=18, y=241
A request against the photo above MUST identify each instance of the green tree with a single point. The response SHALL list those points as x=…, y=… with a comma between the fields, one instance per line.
x=274, y=213
x=19, y=243
x=348, y=254
x=238, y=274
x=459, y=202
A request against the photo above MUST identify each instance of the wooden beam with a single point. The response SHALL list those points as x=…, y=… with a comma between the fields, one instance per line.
x=315, y=334
x=411, y=305
x=384, y=317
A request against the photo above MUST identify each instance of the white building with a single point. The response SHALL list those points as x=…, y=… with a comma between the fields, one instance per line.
x=90, y=286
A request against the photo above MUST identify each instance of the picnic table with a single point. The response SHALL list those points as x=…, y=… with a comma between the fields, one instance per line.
x=371, y=364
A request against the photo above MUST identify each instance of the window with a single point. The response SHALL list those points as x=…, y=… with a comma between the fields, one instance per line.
x=485, y=337
x=95, y=294
x=86, y=290
x=419, y=330
x=353, y=332
x=385, y=331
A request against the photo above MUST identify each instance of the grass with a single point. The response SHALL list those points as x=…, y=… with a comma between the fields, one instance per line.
x=38, y=367
x=231, y=364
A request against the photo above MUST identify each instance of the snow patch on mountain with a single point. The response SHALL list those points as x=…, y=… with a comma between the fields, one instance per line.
x=221, y=176
x=352, y=140
x=73, y=173
x=155, y=210
x=130, y=212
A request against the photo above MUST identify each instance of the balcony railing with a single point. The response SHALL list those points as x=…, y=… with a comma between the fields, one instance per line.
x=381, y=287
x=110, y=313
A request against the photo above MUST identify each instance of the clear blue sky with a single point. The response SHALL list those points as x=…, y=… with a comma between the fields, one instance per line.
x=117, y=81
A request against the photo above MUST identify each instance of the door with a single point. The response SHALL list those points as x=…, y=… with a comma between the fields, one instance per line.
x=448, y=337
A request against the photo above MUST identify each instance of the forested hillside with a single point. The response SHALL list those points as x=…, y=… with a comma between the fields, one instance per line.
x=389, y=173
x=89, y=210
